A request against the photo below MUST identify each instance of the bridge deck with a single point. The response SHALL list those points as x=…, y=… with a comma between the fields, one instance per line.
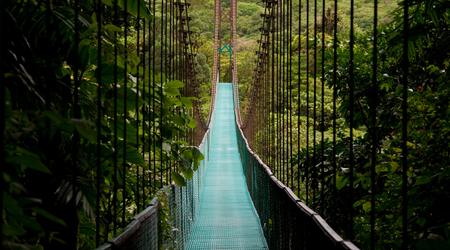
x=227, y=218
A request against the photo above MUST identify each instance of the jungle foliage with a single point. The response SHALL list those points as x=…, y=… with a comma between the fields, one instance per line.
x=428, y=130
x=428, y=121
x=50, y=138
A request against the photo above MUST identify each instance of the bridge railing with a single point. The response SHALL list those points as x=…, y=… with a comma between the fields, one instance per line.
x=141, y=233
x=184, y=201
x=287, y=222
x=179, y=203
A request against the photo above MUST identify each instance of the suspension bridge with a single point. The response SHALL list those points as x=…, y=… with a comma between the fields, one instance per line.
x=259, y=169
x=234, y=200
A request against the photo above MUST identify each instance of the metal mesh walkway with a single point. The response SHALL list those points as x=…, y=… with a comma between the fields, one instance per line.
x=227, y=218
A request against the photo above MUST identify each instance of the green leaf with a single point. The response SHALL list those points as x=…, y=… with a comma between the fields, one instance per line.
x=178, y=179
x=198, y=157
x=59, y=122
x=49, y=216
x=13, y=230
x=191, y=123
x=186, y=101
x=133, y=156
x=188, y=173
x=172, y=91
x=107, y=71
x=84, y=52
x=84, y=128
x=31, y=223
x=132, y=7
x=187, y=154
x=174, y=84
x=112, y=28
x=28, y=160
x=366, y=206
x=192, y=155
x=341, y=182
x=12, y=206
x=422, y=180
x=394, y=166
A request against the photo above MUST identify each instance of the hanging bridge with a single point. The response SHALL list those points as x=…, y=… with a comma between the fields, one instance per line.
x=263, y=180
x=234, y=200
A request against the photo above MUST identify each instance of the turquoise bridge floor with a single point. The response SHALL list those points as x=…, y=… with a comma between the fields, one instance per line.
x=227, y=218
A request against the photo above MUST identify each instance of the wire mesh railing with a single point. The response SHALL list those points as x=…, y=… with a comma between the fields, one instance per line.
x=141, y=233
x=185, y=200
x=167, y=222
x=287, y=222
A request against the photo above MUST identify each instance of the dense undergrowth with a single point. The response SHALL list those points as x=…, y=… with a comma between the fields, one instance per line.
x=52, y=116
x=428, y=126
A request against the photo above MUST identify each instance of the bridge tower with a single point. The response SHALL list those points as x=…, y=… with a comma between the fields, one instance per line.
x=217, y=48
